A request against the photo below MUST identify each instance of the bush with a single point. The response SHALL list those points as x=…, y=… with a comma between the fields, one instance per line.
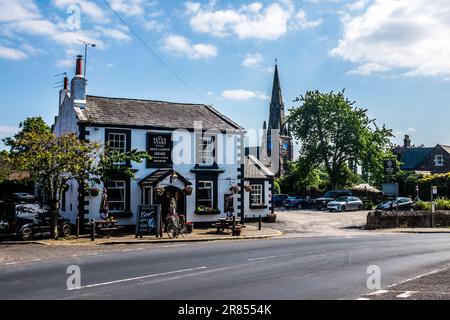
x=442, y=204
x=422, y=205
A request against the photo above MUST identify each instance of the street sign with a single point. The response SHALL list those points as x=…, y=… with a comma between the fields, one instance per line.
x=390, y=189
x=390, y=167
x=435, y=190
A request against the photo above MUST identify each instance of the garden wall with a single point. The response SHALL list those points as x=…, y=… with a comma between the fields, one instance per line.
x=406, y=219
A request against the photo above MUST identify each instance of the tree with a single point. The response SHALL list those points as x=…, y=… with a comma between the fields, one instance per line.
x=337, y=136
x=53, y=161
x=50, y=161
x=5, y=165
x=300, y=177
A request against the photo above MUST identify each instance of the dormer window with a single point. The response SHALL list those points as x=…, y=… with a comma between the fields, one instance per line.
x=438, y=160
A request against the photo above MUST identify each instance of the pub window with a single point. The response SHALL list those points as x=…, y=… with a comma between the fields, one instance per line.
x=117, y=142
x=205, y=191
x=205, y=149
x=256, y=196
x=116, y=195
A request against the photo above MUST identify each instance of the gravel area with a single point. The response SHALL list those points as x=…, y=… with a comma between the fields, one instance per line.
x=320, y=223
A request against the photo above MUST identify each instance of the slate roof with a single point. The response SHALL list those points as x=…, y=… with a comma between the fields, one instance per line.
x=255, y=169
x=411, y=157
x=152, y=114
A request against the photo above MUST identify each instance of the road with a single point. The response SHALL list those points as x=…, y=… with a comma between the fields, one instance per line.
x=294, y=268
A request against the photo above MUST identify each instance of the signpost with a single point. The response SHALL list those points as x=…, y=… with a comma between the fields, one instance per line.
x=148, y=221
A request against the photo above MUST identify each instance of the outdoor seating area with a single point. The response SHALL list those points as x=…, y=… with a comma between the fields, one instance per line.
x=228, y=224
x=105, y=228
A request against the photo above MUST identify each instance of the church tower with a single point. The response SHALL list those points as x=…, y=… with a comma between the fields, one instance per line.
x=277, y=121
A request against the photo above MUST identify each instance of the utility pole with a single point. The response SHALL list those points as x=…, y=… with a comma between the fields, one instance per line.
x=86, y=45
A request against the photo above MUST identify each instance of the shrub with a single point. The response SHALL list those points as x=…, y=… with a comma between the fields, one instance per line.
x=422, y=205
x=442, y=204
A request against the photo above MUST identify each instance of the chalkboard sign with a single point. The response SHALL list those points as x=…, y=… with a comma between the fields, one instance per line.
x=148, y=220
x=159, y=147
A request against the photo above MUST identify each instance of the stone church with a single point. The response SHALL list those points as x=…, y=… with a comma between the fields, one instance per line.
x=276, y=148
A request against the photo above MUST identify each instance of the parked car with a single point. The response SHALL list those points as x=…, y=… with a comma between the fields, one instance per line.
x=300, y=202
x=402, y=203
x=343, y=204
x=23, y=217
x=322, y=202
x=278, y=199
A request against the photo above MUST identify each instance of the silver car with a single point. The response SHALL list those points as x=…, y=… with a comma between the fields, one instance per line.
x=343, y=204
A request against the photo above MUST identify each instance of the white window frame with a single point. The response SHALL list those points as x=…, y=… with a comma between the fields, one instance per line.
x=116, y=187
x=205, y=185
x=205, y=149
x=256, y=195
x=112, y=141
x=438, y=160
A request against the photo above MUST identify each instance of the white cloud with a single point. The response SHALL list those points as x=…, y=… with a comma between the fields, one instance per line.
x=240, y=95
x=131, y=7
x=11, y=10
x=357, y=5
x=252, y=60
x=12, y=54
x=406, y=36
x=251, y=21
x=178, y=45
x=6, y=130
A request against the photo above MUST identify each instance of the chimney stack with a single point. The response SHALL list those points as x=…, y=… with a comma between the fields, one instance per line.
x=64, y=91
x=407, y=142
x=79, y=67
x=78, y=86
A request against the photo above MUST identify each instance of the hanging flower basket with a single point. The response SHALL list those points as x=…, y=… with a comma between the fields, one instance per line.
x=94, y=192
x=235, y=189
x=248, y=187
x=188, y=190
x=159, y=191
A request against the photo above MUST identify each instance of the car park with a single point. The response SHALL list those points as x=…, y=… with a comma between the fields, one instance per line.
x=298, y=202
x=346, y=203
x=23, y=217
x=401, y=203
x=278, y=200
x=322, y=202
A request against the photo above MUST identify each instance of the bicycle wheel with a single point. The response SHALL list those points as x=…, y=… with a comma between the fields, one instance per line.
x=172, y=230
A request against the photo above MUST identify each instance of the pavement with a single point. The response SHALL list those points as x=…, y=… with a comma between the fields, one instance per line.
x=293, y=268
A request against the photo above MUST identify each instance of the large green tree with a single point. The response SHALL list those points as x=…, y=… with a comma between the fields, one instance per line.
x=337, y=136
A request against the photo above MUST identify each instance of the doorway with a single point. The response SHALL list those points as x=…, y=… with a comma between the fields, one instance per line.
x=164, y=200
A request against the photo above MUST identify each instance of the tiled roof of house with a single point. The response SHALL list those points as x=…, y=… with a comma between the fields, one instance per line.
x=255, y=169
x=411, y=157
x=149, y=113
x=446, y=148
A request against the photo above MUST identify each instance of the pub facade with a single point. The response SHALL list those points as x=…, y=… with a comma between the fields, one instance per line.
x=197, y=158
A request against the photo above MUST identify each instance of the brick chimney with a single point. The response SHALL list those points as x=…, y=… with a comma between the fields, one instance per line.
x=407, y=142
x=78, y=85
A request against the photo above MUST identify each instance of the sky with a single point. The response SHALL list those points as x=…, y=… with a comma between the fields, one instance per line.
x=391, y=56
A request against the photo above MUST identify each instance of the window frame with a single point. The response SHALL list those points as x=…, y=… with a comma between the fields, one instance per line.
x=210, y=187
x=259, y=194
x=127, y=134
x=438, y=160
x=125, y=194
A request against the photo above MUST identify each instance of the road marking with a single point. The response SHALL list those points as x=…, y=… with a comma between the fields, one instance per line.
x=418, y=277
x=174, y=245
x=133, y=249
x=137, y=278
x=26, y=261
x=406, y=294
x=376, y=293
x=286, y=255
x=362, y=299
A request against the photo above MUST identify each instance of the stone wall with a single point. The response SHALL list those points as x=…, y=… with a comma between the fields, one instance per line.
x=406, y=219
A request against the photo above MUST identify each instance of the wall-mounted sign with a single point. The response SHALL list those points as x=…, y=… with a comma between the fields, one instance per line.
x=148, y=221
x=159, y=147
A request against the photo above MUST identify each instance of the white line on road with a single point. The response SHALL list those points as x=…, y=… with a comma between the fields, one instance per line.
x=286, y=255
x=174, y=245
x=137, y=278
x=133, y=249
x=376, y=293
x=406, y=294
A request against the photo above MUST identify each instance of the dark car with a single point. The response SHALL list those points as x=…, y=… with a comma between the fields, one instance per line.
x=402, y=203
x=322, y=202
x=278, y=199
x=300, y=202
x=23, y=217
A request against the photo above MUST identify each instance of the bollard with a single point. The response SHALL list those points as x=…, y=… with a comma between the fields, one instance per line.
x=78, y=227
x=234, y=226
x=92, y=230
x=259, y=222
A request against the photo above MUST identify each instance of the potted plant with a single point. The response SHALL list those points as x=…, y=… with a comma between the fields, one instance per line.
x=188, y=190
x=94, y=192
x=271, y=217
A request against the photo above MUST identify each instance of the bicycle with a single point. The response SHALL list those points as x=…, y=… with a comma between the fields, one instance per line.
x=176, y=226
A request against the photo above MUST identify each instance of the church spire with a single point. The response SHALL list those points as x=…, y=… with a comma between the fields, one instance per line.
x=277, y=117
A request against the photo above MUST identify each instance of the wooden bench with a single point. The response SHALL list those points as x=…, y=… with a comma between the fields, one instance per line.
x=221, y=225
x=106, y=227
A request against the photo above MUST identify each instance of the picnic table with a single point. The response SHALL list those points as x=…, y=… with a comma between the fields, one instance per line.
x=106, y=227
x=223, y=224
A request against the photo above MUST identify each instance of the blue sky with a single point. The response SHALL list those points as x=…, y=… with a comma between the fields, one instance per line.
x=392, y=57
